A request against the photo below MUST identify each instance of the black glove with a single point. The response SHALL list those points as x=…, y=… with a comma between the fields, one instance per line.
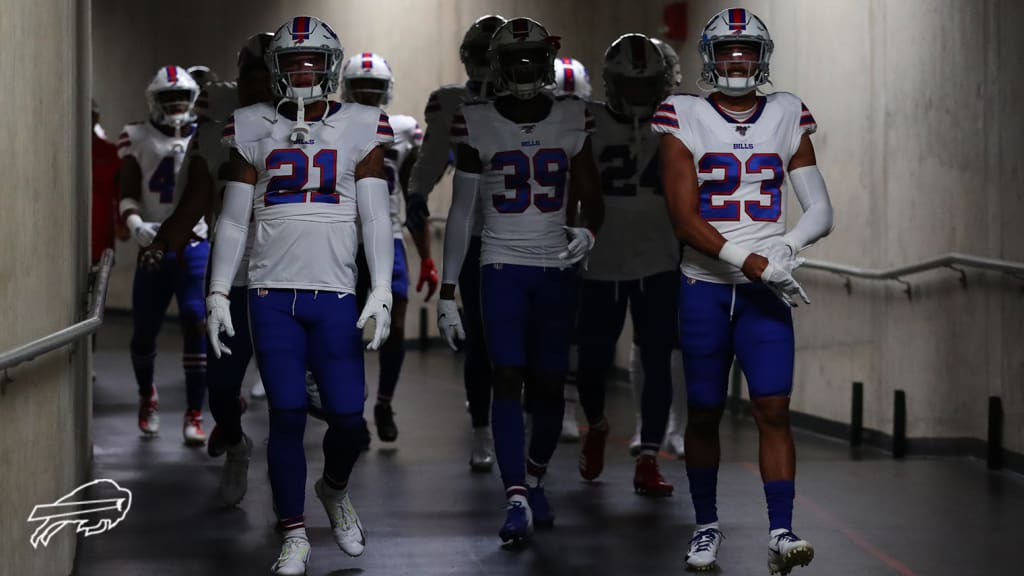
x=416, y=211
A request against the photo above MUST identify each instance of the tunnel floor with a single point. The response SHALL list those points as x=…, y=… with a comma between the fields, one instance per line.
x=425, y=513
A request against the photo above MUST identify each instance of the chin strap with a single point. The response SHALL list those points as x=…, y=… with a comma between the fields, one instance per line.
x=300, y=132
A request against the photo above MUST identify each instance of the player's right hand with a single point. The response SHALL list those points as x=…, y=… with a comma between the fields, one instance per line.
x=782, y=283
x=152, y=256
x=783, y=254
x=449, y=323
x=218, y=319
x=416, y=211
x=143, y=232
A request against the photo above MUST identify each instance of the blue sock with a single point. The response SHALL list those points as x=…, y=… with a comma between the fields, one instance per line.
x=703, y=492
x=780, y=494
x=509, y=443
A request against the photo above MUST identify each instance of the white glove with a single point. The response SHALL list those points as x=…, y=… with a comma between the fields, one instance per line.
x=378, y=307
x=143, y=232
x=449, y=323
x=783, y=253
x=782, y=283
x=218, y=319
x=581, y=241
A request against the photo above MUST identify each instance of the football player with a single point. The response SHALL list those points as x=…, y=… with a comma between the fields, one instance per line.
x=305, y=170
x=571, y=79
x=152, y=154
x=673, y=443
x=636, y=261
x=428, y=169
x=201, y=196
x=524, y=161
x=367, y=79
x=724, y=161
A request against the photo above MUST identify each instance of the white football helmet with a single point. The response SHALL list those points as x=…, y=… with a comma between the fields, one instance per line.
x=571, y=78
x=475, y=43
x=305, y=46
x=636, y=78
x=675, y=71
x=735, y=26
x=374, y=70
x=172, y=96
x=522, y=57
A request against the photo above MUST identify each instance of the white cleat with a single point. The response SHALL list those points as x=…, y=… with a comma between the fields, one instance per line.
x=234, y=479
x=674, y=444
x=570, y=429
x=293, y=558
x=192, y=429
x=481, y=458
x=787, y=551
x=702, y=555
x=258, y=391
x=348, y=531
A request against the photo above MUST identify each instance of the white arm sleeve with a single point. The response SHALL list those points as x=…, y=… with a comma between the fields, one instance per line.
x=817, y=220
x=373, y=202
x=459, y=229
x=229, y=238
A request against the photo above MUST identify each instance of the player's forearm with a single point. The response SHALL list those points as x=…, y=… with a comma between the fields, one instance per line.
x=372, y=202
x=421, y=239
x=430, y=164
x=817, y=220
x=177, y=229
x=230, y=236
x=459, y=229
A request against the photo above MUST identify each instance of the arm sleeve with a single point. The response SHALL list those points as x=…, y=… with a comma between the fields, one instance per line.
x=459, y=228
x=817, y=220
x=433, y=157
x=230, y=236
x=372, y=200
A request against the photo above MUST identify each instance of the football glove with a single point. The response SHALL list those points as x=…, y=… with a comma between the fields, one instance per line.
x=218, y=319
x=449, y=323
x=378, y=307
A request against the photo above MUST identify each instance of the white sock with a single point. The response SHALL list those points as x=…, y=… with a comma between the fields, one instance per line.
x=296, y=533
x=706, y=526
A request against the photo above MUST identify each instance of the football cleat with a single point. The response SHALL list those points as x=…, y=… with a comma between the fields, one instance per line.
x=293, y=558
x=345, y=524
x=518, y=526
x=192, y=429
x=215, y=445
x=481, y=458
x=234, y=479
x=149, y=413
x=592, y=453
x=540, y=508
x=384, y=420
x=674, y=444
x=634, y=442
x=702, y=555
x=647, y=480
x=570, y=429
x=258, y=391
x=787, y=551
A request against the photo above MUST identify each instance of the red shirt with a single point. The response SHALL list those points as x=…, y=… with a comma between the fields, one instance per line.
x=105, y=165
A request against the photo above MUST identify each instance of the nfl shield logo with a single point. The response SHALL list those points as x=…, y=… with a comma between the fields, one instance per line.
x=742, y=130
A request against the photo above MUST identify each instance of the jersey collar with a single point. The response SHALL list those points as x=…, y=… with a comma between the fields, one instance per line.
x=761, y=100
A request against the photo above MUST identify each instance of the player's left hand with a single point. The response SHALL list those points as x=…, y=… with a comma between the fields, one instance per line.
x=428, y=276
x=151, y=256
x=782, y=283
x=581, y=240
x=378, y=307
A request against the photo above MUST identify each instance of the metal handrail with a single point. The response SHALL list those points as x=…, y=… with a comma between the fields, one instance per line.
x=66, y=336
x=951, y=260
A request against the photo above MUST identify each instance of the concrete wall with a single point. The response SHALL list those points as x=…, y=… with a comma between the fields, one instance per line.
x=44, y=412
x=918, y=141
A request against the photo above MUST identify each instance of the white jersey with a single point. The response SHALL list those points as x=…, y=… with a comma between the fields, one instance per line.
x=304, y=205
x=407, y=138
x=741, y=167
x=437, y=145
x=636, y=238
x=216, y=103
x=524, y=185
x=160, y=158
